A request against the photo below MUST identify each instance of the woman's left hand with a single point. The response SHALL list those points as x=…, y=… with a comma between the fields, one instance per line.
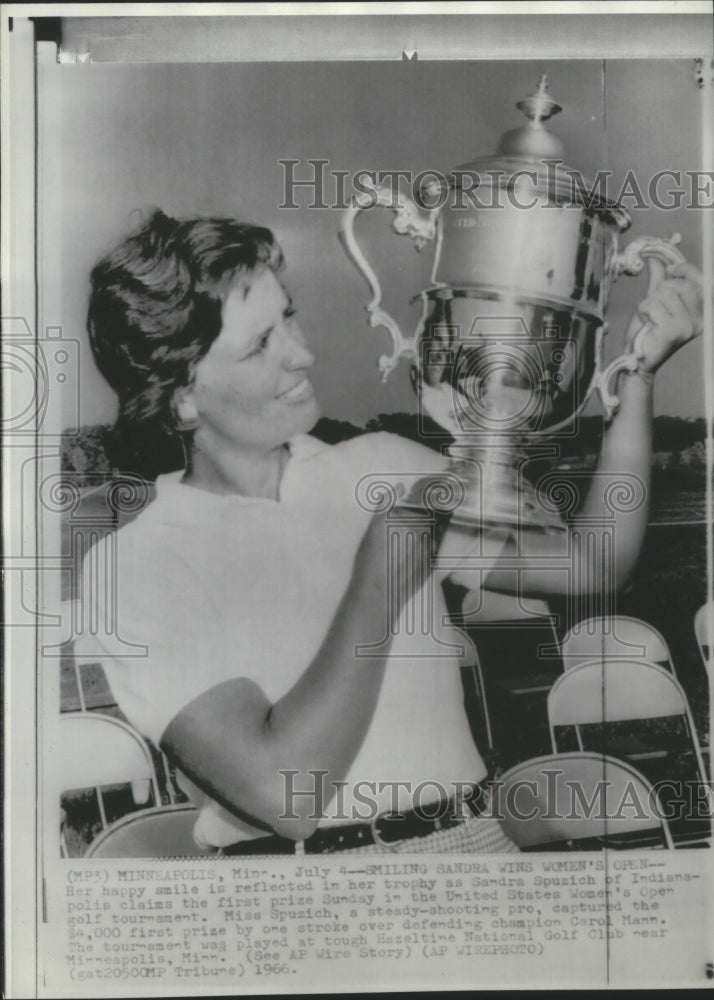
x=673, y=313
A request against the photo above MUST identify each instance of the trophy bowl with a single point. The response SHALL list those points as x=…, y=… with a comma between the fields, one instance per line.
x=499, y=374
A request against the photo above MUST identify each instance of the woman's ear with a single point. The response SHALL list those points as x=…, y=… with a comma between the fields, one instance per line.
x=184, y=409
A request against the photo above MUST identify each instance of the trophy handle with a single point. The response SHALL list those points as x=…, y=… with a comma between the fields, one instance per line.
x=659, y=255
x=409, y=220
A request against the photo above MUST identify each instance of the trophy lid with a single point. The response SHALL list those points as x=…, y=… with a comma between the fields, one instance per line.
x=532, y=140
x=532, y=147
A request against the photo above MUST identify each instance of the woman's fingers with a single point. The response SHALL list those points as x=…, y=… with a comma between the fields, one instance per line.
x=659, y=312
x=674, y=314
x=676, y=304
x=689, y=283
x=685, y=270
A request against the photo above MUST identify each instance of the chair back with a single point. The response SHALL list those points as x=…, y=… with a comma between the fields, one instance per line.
x=566, y=799
x=614, y=690
x=151, y=833
x=98, y=750
x=614, y=636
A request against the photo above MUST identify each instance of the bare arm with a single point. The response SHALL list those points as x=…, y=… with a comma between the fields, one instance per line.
x=234, y=743
x=579, y=562
x=674, y=315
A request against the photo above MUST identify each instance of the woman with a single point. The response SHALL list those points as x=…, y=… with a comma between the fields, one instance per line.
x=294, y=708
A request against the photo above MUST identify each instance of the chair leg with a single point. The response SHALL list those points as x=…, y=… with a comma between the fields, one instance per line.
x=481, y=694
x=100, y=803
x=169, y=783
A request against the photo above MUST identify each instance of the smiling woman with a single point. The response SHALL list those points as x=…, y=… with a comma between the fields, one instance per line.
x=156, y=306
x=250, y=393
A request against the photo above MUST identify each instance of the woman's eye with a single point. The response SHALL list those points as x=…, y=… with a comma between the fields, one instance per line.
x=261, y=345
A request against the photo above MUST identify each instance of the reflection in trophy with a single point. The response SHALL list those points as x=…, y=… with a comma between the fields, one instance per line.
x=509, y=346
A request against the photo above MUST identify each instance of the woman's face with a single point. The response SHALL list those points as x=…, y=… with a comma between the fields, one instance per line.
x=251, y=390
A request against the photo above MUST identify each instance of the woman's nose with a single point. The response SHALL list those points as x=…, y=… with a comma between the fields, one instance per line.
x=297, y=354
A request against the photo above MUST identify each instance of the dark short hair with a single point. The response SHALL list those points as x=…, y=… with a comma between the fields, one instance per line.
x=155, y=308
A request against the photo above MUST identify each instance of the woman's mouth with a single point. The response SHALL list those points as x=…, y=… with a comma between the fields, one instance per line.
x=301, y=391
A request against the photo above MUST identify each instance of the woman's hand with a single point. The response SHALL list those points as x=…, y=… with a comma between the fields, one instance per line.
x=674, y=315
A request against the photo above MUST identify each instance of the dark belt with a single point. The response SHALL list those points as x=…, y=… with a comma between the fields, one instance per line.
x=384, y=830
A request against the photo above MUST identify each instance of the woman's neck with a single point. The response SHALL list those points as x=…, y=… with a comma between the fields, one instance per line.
x=250, y=473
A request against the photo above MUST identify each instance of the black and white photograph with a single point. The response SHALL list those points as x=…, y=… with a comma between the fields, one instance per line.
x=358, y=450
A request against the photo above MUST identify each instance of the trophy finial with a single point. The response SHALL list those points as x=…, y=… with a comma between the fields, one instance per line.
x=539, y=106
x=532, y=139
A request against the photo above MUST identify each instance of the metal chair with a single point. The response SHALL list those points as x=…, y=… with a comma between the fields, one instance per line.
x=94, y=694
x=578, y=801
x=151, y=833
x=637, y=711
x=96, y=751
x=703, y=631
x=614, y=636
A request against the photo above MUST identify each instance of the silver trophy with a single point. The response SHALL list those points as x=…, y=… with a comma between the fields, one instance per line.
x=509, y=345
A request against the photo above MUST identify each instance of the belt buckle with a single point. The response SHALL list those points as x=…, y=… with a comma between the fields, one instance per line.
x=476, y=804
x=376, y=837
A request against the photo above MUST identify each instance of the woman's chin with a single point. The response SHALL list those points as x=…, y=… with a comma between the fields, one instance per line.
x=307, y=415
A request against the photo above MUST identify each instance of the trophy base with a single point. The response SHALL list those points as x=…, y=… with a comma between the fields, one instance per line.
x=522, y=512
x=515, y=511
x=494, y=493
